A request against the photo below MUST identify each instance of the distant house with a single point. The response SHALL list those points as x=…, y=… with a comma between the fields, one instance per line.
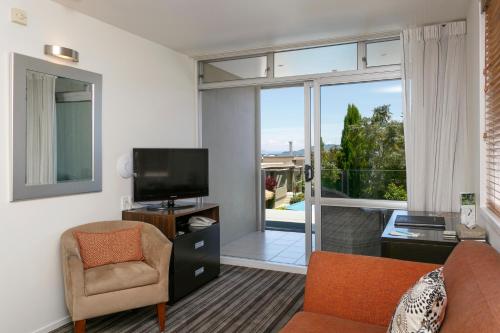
x=289, y=170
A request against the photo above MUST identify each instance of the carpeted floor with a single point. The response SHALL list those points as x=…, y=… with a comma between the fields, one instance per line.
x=240, y=300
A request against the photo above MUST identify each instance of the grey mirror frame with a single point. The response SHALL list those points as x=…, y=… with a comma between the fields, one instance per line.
x=20, y=191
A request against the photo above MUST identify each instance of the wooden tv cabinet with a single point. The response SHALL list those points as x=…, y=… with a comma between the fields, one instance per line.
x=196, y=251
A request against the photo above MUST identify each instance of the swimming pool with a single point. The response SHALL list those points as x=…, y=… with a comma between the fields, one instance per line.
x=298, y=206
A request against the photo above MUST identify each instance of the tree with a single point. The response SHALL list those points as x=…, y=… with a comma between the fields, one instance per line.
x=381, y=115
x=330, y=173
x=352, y=156
x=386, y=155
x=371, y=155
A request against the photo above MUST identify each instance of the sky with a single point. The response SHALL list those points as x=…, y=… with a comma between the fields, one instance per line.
x=282, y=111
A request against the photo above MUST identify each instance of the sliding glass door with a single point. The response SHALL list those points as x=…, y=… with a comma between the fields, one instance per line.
x=360, y=161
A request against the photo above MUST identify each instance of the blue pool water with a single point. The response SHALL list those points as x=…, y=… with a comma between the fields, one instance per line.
x=299, y=206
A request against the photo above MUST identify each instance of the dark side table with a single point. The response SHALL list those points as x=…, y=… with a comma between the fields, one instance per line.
x=430, y=246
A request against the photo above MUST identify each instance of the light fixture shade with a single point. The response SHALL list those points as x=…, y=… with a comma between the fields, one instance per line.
x=62, y=52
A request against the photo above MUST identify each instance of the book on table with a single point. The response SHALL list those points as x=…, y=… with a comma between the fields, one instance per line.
x=426, y=222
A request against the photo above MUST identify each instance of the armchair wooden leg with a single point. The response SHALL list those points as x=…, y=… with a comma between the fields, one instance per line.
x=79, y=326
x=161, y=312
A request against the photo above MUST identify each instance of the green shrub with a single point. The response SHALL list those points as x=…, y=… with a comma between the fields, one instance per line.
x=395, y=192
x=300, y=186
x=297, y=198
x=270, y=203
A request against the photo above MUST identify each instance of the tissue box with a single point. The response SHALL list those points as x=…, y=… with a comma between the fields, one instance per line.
x=477, y=233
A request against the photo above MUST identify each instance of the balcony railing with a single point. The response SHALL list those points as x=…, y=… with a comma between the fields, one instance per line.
x=364, y=184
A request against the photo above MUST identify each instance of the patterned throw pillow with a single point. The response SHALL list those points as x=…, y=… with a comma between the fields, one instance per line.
x=103, y=248
x=422, y=307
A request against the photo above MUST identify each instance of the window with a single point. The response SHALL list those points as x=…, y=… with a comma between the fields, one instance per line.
x=316, y=60
x=362, y=141
x=383, y=53
x=302, y=62
x=236, y=69
x=492, y=121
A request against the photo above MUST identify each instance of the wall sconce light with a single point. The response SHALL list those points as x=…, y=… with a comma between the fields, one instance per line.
x=124, y=166
x=62, y=52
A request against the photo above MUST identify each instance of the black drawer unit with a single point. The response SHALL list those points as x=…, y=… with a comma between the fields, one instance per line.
x=195, y=261
x=190, y=248
x=195, y=251
x=190, y=278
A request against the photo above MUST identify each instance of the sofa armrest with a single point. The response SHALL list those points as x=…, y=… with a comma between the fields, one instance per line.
x=76, y=276
x=72, y=266
x=360, y=288
x=74, y=280
x=156, y=248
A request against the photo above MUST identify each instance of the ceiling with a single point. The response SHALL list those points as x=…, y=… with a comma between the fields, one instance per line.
x=200, y=27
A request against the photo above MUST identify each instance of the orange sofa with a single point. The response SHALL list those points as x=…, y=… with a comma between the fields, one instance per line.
x=358, y=294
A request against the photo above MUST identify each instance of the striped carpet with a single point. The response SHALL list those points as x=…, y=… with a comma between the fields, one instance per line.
x=241, y=300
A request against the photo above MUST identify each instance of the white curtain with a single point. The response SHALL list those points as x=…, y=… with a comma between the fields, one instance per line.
x=41, y=128
x=435, y=106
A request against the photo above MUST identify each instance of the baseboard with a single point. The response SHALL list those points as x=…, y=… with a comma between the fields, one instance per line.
x=52, y=326
x=272, y=266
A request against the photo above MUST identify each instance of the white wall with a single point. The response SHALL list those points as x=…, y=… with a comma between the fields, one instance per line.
x=475, y=119
x=148, y=100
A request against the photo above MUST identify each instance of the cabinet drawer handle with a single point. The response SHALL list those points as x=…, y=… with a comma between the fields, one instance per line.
x=199, y=244
x=199, y=271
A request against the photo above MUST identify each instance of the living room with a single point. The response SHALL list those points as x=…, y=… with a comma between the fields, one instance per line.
x=309, y=132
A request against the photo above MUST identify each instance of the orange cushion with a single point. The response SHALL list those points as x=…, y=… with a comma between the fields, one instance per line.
x=104, y=248
x=310, y=322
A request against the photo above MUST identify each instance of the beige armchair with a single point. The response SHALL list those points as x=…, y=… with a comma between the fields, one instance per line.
x=112, y=288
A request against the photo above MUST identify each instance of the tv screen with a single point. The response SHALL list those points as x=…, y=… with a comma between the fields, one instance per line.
x=166, y=174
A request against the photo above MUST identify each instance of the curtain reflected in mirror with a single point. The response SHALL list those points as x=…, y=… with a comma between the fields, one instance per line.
x=59, y=134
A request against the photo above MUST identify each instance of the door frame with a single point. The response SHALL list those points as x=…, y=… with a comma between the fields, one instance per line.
x=308, y=197
x=307, y=85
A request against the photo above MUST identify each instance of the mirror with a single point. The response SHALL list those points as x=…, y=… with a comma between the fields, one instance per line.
x=59, y=129
x=56, y=129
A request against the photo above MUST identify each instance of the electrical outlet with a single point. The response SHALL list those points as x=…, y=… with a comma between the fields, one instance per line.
x=125, y=202
x=19, y=16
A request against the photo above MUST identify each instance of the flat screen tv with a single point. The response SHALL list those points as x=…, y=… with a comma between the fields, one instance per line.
x=166, y=174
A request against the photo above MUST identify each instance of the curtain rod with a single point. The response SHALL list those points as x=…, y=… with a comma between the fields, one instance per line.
x=444, y=24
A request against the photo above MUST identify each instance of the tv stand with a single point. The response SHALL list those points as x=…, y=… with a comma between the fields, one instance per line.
x=196, y=251
x=169, y=205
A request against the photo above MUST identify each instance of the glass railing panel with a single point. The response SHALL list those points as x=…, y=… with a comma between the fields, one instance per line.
x=364, y=184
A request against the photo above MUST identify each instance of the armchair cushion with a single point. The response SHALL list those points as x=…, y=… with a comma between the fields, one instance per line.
x=103, y=248
x=114, y=277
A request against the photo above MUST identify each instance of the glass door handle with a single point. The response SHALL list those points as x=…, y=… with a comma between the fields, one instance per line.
x=308, y=173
